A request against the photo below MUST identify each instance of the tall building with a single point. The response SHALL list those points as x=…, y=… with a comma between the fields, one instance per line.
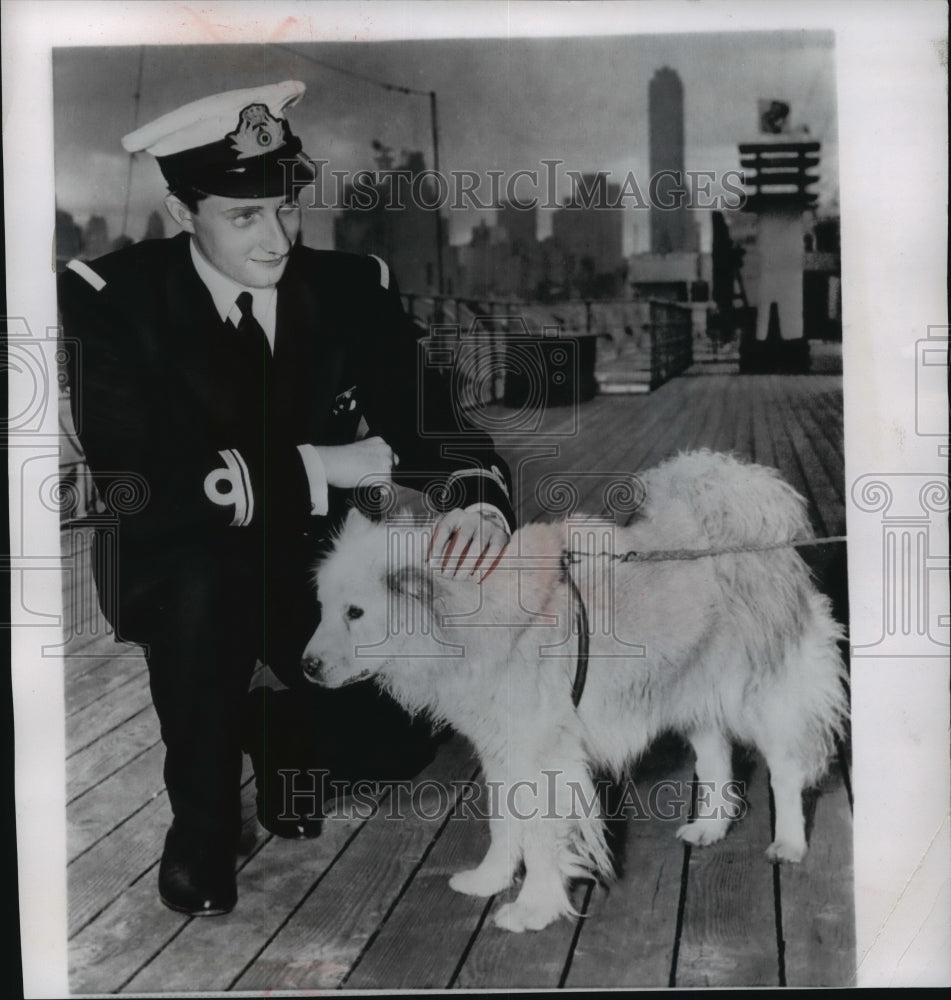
x=69, y=239
x=405, y=236
x=519, y=224
x=670, y=230
x=483, y=263
x=95, y=237
x=588, y=231
x=523, y=268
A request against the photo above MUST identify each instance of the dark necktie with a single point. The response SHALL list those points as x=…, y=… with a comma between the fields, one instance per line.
x=250, y=330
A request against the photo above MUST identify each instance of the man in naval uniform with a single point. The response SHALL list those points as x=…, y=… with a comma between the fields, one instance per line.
x=223, y=375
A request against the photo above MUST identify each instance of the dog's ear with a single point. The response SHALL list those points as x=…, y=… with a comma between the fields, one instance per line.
x=412, y=581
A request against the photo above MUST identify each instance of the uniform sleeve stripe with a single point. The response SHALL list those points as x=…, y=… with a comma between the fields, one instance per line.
x=248, y=491
x=492, y=474
x=87, y=274
x=490, y=508
x=384, y=271
x=231, y=487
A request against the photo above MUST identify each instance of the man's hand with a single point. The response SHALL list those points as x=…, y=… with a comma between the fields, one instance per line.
x=468, y=542
x=357, y=464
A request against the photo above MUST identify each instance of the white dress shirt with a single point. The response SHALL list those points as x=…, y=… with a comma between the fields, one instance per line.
x=225, y=292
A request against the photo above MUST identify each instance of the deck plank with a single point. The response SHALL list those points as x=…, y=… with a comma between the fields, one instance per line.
x=595, y=420
x=717, y=432
x=574, y=462
x=744, y=431
x=91, y=816
x=828, y=411
x=663, y=415
x=102, y=716
x=764, y=449
x=337, y=921
x=673, y=423
x=729, y=929
x=818, y=486
x=695, y=398
x=135, y=926
x=708, y=428
x=107, y=755
x=111, y=865
x=817, y=898
x=105, y=674
x=79, y=591
x=821, y=437
x=271, y=886
x=621, y=454
x=629, y=935
x=787, y=460
x=611, y=461
x=403, y=955
x=93, y=641
x=500, y=959
x=730, y=438
x=104, y=955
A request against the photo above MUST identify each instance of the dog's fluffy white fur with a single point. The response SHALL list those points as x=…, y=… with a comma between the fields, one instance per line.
x=738, y=647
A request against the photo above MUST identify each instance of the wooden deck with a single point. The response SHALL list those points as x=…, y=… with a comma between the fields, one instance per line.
x=366, y=906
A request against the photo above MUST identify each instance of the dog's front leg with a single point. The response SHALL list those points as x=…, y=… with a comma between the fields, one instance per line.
x=562, y=839
x=497, y=869
x=543, y=897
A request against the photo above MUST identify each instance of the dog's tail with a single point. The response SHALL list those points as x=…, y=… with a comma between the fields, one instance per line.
x=735, y=503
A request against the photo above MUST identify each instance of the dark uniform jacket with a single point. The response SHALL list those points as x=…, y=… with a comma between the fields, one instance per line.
x=191, y=432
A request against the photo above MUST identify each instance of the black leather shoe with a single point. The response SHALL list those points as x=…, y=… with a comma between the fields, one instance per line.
x=323, y=741
x=197, y=875
x=277, y=739
x=289, y=805
x=292, y=826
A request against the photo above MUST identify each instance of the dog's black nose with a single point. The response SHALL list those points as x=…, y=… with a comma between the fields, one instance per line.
x=311, y=668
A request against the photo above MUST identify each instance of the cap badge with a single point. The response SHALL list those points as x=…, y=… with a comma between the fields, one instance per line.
x=258, y=132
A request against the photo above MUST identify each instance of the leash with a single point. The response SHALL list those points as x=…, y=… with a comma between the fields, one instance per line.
x=574, y=556
x=584, y=632
x=571, y=557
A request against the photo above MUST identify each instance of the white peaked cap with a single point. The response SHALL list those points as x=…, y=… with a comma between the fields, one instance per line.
x=209, y=119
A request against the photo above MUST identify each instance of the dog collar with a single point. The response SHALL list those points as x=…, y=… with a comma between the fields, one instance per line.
x=581, y=621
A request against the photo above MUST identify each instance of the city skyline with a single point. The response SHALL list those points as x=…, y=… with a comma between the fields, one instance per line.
x=504, y=105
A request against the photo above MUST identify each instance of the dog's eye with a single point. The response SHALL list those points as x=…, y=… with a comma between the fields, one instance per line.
x=353, y=612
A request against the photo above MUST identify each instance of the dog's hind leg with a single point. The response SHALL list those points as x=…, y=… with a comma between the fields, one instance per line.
x=786, y=778
x=714, y=810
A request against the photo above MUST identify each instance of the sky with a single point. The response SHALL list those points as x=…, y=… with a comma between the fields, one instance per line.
x=503, y=104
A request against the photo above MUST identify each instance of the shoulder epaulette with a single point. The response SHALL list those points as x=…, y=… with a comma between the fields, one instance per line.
x=88, y=275
x=384, y=271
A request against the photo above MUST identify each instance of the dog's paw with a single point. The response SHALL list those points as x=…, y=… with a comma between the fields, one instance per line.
x=702, y=833
x=519, y=916
x=478, y=882
x=792, y=851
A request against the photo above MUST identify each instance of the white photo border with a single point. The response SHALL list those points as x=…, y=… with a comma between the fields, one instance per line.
x=891, y=65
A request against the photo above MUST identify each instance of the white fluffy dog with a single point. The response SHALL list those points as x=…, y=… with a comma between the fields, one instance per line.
x=737, y=646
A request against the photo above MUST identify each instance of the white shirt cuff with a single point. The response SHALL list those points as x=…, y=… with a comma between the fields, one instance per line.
x=316, y=478
x=491, y=509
